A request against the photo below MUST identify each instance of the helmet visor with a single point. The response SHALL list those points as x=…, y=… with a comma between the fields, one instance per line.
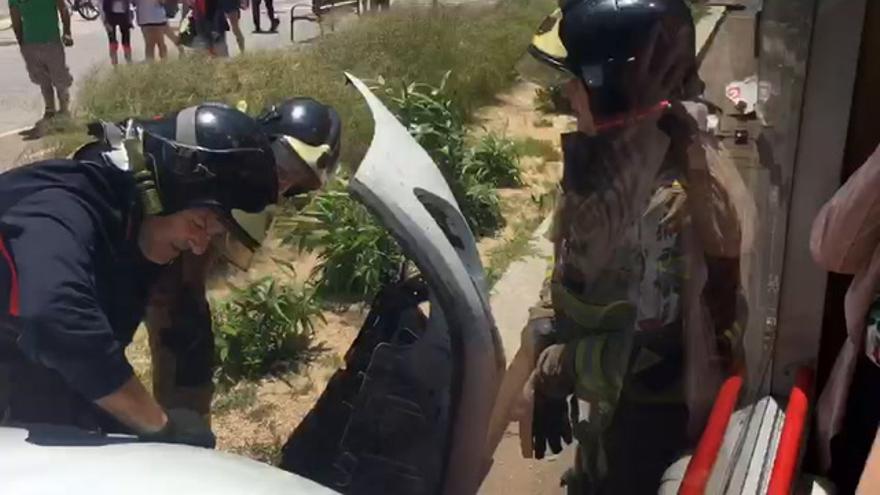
x=544, y=63
x=539, y=72
x=245, y=234
x=302, y=167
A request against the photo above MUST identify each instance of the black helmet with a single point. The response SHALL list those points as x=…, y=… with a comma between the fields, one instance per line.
x=210, y=155
x=309, y=132
x=600, y=42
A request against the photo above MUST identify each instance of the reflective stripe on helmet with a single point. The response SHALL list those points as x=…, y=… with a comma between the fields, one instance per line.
x=186, y=126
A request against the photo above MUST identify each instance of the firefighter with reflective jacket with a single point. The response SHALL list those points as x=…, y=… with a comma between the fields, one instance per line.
x=639, y=316
x=84, y=240
x=305, y=138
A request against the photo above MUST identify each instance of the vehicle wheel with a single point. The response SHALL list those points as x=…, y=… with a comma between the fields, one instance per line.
x=87, y=10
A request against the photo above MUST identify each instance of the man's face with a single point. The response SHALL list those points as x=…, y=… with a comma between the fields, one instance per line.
x=162, y=239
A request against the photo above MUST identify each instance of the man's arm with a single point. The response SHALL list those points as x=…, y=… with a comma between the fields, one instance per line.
x=132, y=405
x=847, y=230
x=65, y=16
x=15, y=15
x=63, y=326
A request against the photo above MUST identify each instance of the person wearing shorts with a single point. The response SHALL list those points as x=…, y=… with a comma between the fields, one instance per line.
x=232, y=10
x=153, y=21
x=117, y=17
x=35, y=23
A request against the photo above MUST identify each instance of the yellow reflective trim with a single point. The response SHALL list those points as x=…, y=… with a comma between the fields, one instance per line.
x=242, y=106
x=583, y=381
x=256, y=225
x=547, y=38
x=591, y=378
x=310, y=154
x=599, y=382
x=617, y=315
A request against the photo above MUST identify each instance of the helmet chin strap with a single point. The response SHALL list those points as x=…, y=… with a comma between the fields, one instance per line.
x=623, y=120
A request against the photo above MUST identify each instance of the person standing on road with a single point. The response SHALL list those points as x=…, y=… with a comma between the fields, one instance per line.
x=171, y=8
x=232, y=9
x=185, y=8
x=116, y=14
x=270, y=12
x=205, y=29
x=153, y=21
x=35, y=23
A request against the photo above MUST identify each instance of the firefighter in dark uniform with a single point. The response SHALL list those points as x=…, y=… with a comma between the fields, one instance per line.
x=82, y=242
x=639, y=316
x=305, y=138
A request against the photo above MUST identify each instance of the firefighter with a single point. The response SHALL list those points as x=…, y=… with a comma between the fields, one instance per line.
x=81, y=242
x=638, y=318
x=305, y=138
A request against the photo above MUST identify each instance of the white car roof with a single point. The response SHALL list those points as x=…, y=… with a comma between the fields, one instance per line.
x=49, y=460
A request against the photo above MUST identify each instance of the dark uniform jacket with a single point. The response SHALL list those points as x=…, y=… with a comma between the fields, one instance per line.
x=78, y=283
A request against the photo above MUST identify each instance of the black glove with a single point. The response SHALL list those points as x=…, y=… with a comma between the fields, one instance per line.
x=551, y=421
x=551, y=426
x=184, y=427
x=555, y=371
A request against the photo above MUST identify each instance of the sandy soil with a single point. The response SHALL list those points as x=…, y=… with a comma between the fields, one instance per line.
x=261, y=425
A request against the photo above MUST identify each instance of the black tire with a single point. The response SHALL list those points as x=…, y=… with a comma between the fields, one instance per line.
x=87, y=10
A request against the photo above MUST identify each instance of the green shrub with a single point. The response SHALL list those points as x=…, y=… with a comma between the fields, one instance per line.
x=479, y=203
x=356, y=254
x=497, y=160
x=262, y=328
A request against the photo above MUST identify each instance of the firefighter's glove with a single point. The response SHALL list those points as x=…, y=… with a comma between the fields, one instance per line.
x=551, y=424
x=538, y=334
x=185, y=427
x=555, y=371
x=553, y=381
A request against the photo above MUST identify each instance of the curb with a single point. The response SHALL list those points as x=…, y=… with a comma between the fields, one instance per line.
x=519, y=288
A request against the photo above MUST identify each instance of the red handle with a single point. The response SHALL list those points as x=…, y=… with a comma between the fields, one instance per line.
x=700, y=467
x=792, y=432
